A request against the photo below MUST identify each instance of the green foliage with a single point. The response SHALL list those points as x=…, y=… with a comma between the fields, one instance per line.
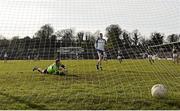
x=157, y=38
x=173, y=38
x=113, y=33
x=66, y=36
x=126, y=39
x=45, y=31
x=80, y=36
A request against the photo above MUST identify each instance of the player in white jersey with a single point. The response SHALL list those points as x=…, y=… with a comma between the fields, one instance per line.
x=119, y=57
x=5, y=57
x=100, y=48
x=175, y=55
x=150, y=56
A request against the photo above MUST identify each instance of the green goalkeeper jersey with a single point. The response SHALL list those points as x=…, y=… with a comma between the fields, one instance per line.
x=53, y=68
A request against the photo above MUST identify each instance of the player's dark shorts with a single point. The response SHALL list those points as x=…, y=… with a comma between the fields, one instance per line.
x=45, y=71
x=99, y=51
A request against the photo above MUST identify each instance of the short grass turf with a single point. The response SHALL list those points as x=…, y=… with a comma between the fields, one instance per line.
x=118, y=86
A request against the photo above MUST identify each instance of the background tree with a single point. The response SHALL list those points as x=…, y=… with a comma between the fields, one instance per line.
x=125, y=37
x=113, y=33
x=45, y=31
x=80, y=36
x=156, y=38
x=66, y=36
x=135, y=37
x=4, y=43
x=89, y=37
x=26, y=43
x=173, y=38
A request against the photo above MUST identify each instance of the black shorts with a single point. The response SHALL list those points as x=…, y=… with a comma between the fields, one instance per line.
x=99, y=51
x=45, y=71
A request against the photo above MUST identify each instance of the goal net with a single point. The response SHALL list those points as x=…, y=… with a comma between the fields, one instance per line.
x=140, y=41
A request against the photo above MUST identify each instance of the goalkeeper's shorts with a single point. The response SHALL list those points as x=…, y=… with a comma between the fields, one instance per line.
x=45, y=71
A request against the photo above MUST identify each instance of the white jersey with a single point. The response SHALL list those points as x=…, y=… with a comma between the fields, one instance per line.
x=5, y=55
x=100, y=44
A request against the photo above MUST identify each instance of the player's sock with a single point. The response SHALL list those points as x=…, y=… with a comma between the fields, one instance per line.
x=101, y=68
x=97, y=67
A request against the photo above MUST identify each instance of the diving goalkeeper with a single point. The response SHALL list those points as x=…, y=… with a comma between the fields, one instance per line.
x=56, y=68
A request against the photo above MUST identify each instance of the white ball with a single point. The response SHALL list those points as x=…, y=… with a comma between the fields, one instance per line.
x=159, y=91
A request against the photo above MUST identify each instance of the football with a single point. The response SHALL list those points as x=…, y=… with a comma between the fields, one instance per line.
x=159, y=91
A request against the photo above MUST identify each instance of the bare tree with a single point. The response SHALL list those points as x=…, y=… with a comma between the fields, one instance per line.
x=135, y=37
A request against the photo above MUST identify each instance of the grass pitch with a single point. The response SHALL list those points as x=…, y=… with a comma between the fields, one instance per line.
x=118, y=86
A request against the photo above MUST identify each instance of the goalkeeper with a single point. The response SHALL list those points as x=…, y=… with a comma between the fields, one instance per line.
x=56, y=68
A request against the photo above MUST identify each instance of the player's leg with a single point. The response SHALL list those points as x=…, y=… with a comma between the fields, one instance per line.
x=153, y=59
x=101, y=58
x=40, y=70
x=174, y=58
x=120, y=60
x=150, y=60
x=5, y=59
x=178, y=59
x=98, y=61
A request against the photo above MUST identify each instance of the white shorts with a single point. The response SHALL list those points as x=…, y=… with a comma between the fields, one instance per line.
x=175, y=55
x=119, y=57
x=150, y=56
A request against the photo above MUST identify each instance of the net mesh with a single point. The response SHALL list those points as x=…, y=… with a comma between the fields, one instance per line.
x=36, y=32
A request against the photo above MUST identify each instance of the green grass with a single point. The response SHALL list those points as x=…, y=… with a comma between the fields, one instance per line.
x=118, y=86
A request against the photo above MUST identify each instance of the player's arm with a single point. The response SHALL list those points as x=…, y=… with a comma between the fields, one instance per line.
x=96, y=44
x=105, y=41
x=62, y=68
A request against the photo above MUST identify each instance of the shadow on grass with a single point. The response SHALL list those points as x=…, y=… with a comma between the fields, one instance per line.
x=63, y=75
x=70, y=75
x=66, y=77
x=28, y=103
